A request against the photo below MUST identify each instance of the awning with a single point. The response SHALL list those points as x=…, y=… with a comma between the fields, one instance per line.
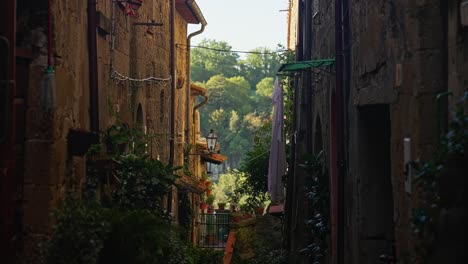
x=190, y=184
x=301, y=65
x=276, y=210
x=213, y=158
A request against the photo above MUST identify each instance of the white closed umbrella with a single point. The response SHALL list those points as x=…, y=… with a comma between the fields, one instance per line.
x=277, y=163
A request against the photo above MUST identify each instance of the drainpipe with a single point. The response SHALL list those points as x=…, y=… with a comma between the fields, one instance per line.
x=344, y=131
x=93, y=68
x=173, y=84
x=198, y=14
x=195, y=108
x=291, y=191
x=173, y=94
x=337, y=143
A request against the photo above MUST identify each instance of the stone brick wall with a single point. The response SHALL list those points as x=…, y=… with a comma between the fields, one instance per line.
x=397, y=68
x=139, y=52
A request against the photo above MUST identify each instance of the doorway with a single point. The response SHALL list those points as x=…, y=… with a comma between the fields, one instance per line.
x=376, y=191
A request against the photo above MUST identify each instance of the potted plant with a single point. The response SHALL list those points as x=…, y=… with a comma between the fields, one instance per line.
x=210, y=200
x=221, y=206
x=246, y=210
x=257, y=202
x=203, y=206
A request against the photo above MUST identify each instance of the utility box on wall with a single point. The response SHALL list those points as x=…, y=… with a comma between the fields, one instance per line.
x=464, y=13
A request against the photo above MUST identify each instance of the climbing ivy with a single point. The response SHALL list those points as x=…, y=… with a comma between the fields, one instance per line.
x=318, y=196
x=430, y=173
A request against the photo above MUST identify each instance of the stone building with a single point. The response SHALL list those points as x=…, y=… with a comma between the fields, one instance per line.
x=114, y=61
x=400, y=67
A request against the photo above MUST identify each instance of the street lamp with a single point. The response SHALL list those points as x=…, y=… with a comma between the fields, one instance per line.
x=211, y=141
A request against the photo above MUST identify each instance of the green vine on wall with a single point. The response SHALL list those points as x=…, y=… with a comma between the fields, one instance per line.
x=318, y=196
x=430, y=173
x=117, y=217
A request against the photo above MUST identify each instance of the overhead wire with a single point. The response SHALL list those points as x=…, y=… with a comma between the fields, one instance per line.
x=236, y=51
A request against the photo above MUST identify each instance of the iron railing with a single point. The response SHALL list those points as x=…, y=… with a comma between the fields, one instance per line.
x=213, y=230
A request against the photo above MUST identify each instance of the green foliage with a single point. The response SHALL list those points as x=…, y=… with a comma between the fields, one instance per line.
x=232, y=85
x=137, y=236
x=218, y=59
x=208, y=256
x=120, y=139
x=256, y=167
x=141, y=182
x=131, y=228
x=429, y=174
x=318, y=197
x=210, y=199
x=79, y=232
x=257, y=66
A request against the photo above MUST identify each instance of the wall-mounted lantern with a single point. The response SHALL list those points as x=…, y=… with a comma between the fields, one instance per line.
x=211, y=141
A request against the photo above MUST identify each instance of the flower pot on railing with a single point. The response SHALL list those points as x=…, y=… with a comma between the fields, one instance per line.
x=259, y=210
x=221, y=206
x=203, y=207
x=210, y=209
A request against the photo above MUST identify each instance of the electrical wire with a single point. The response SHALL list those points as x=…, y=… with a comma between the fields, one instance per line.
x=237, y=51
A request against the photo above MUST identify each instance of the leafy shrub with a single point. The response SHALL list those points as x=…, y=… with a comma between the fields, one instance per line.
x=209, y=256
x=78, y=233
x=142, y=182
x=136, y=237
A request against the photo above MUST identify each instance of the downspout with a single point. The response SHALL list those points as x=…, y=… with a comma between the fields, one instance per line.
x=308, y=76
x=337, y=143
x=291, y=181
x=93, y=68
x=198, y=14
x=346, y=26
x=195, y=108
x=173, y=84
x=173, y=93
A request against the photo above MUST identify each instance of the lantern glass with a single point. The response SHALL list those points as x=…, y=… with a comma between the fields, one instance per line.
x=211, y=141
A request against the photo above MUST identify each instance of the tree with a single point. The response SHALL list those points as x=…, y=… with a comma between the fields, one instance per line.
x=262, y=96
x=265, y=87
x=215, y=58
x=256, y=66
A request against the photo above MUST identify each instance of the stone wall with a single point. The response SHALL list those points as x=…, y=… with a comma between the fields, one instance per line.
x=397, y=69
x=138, y=52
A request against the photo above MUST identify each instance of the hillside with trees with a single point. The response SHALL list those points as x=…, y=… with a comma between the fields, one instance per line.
x=239, y=88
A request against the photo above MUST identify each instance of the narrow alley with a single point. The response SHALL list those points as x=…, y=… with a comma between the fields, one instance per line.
x=142, y=131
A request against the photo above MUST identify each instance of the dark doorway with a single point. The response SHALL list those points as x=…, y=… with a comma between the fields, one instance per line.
x=376, y=192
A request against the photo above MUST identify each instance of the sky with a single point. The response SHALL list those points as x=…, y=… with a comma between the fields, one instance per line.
x=244, y=24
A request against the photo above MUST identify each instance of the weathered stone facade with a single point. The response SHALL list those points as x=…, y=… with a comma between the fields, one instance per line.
x=127, y=54
x=399, y=57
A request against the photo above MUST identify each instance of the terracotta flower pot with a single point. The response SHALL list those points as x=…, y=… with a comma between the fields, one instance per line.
x=203, y=206
x=259, y=210
x=221, y=206
x=210, y=209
